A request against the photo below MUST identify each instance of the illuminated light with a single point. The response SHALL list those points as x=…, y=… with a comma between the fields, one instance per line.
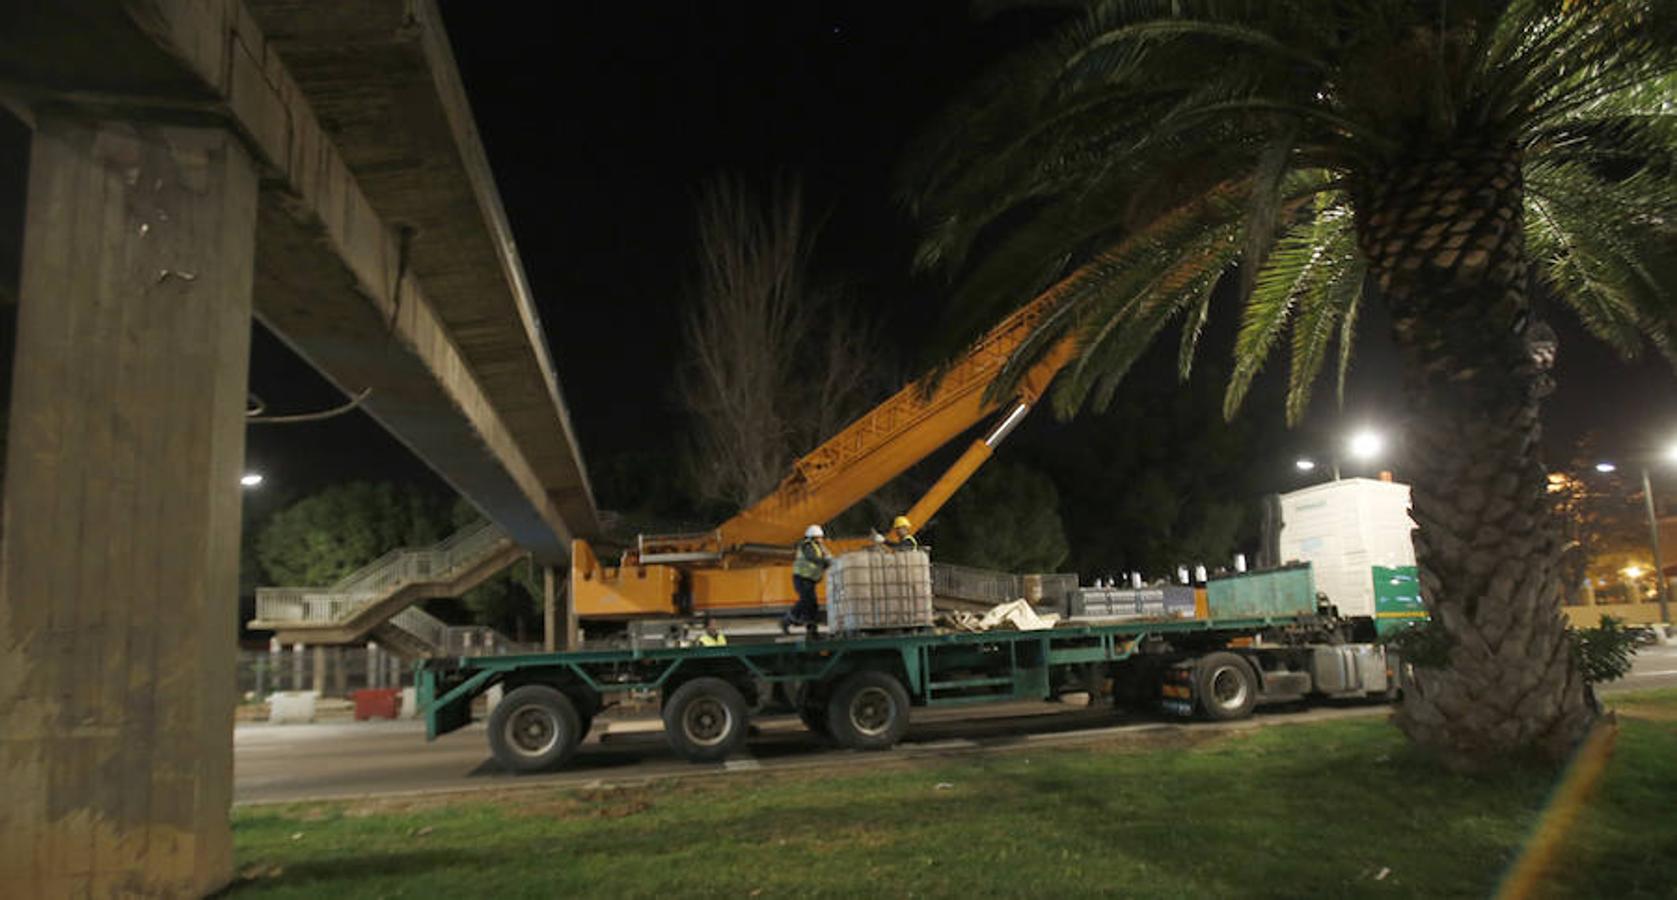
x=1605, y=467
x=251, y=479
x=1305, y=465
x=1671, y=452
x=1633, y=572
x=1367, y=444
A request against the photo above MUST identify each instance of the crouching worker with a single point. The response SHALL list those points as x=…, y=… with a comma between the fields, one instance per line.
x=807, y=568
x=712, y=637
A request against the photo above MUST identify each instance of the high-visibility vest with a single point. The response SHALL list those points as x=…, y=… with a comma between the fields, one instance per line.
x=720, y=640
x=907, y=543
x=812, y=560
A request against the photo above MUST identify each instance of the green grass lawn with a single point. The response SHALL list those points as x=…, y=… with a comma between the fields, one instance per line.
x=1327, y=809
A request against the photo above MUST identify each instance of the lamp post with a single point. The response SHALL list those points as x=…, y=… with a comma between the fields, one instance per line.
x=1664, y=589
x=1364, y=446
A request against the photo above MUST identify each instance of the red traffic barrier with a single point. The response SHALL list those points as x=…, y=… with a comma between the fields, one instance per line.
x=377, y=703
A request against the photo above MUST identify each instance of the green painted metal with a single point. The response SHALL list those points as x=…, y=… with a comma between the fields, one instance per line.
x=969, y=683
x=1029, y=658
x=1397, y=598
x=1288, y=591
x=445, y=714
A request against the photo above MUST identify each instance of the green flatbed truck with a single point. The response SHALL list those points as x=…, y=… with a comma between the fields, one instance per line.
x=857, y=691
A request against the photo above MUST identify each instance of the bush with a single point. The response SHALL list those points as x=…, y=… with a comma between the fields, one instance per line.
x=1603, y=653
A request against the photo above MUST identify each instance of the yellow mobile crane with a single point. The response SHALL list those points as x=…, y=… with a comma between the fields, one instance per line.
x=744, y=565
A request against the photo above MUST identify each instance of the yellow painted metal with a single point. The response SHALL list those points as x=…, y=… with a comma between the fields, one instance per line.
x=898, y=433
x=862, y=457
x=619, y=592
x=766, y=587
x=946, y=486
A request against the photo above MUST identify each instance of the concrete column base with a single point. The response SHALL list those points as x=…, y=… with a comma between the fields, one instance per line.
x=119, y=562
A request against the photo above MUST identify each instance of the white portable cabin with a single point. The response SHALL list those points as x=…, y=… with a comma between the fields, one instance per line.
x=1343, y=529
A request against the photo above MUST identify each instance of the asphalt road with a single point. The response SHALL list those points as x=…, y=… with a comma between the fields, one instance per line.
x=278, y=763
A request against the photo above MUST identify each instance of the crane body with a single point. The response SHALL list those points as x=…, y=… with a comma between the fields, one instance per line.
x=744, y=565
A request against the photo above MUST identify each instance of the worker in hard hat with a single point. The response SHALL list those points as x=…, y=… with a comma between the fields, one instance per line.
x=712, y=636
x=902, y=535
x=808, y=566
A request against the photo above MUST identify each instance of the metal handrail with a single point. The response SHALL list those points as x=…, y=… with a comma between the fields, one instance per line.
x=380, y=578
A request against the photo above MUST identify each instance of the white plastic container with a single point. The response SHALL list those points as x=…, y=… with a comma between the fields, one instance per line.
x=1344, y=529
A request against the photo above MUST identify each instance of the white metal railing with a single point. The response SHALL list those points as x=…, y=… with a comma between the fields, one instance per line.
x=380, y=578
x=422, y=626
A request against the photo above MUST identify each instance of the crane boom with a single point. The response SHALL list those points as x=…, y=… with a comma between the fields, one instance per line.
x=900, y=432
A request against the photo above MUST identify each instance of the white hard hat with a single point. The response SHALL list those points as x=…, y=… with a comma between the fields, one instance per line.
x=814, y=531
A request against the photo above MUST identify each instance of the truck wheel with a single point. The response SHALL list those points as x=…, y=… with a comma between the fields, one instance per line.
x=1225, y=686
x=869, y=711
x=706, y=719
x=533, y=729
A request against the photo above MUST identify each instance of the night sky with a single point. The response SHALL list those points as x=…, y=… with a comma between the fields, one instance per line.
x=601, y=121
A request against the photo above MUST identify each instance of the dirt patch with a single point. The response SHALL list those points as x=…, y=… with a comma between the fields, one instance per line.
x=1647, y=712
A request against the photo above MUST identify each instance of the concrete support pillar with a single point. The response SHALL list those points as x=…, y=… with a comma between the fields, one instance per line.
x=372, y=665
x=550, y=611
x=297, y=667
x=559, y=613
x=340, y=673
x=119, y=565
x=318, y=683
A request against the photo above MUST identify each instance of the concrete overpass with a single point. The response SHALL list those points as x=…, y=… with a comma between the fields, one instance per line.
x=192, y=164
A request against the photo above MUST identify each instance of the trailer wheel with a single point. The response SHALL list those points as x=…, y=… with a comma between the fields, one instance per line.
x=706, y=719
x=1225, y=686
x=869, y=711
x=533, y=729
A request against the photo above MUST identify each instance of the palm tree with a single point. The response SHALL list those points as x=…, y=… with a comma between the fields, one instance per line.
x=1460, y=161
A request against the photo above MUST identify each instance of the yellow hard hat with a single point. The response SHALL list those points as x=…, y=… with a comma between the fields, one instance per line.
x=902, y=522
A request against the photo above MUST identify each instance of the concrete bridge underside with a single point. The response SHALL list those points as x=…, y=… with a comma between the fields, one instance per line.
x=192, y=165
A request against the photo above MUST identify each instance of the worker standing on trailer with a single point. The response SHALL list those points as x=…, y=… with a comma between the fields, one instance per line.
x=902, y=535
x=808, y=566
x=712, y=637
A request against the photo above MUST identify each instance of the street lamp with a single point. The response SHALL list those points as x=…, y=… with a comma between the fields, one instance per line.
x=1364, y=445
x=251, y=479
x=1670, y=455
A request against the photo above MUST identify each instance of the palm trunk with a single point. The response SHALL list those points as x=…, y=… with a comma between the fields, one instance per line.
x=1444, y=241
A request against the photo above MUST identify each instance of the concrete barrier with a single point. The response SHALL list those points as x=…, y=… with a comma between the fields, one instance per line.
x=1629, y=613
x=291, y=706
x=410, y=703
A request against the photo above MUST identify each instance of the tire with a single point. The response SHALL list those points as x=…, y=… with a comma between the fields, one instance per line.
x=1225, y=686
x=534, y=728
x=869, y=711
x=706, y=719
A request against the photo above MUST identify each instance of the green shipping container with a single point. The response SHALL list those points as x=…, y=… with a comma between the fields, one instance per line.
x=1287, y=591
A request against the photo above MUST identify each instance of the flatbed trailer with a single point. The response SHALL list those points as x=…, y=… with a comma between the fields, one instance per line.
x=857, y=690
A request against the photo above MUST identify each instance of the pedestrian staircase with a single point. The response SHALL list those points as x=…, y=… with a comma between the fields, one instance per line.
x=376, y=601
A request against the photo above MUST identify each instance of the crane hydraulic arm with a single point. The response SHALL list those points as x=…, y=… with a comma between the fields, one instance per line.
x=744, y=564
